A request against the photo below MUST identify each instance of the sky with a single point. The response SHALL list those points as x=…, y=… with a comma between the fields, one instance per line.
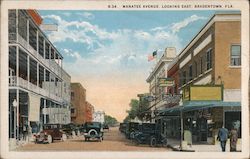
x=107, y=51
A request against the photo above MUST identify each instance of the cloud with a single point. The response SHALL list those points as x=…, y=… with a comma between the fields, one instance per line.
x=176, y=27
x=87, y=15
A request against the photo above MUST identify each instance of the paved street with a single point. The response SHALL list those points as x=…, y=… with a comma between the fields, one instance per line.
x=113, y=141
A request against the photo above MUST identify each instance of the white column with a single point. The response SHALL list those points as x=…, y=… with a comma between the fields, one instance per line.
x=44, y=107
x=37, y=74
x=17, y=26
x=17, y=113
x=28, y=70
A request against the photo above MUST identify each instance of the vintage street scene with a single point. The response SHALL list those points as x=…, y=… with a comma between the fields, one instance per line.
x=89, y=80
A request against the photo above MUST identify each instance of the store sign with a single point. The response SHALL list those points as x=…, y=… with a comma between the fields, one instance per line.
x=203, y=92
x=166, y=82
x=172, y=99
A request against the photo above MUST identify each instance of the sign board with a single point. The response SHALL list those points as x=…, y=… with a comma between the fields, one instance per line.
x=203, y=93
x=166, y=82
x=172, y=99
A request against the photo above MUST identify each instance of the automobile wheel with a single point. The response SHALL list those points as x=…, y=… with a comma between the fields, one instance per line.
x=92, y=133
x=64, y=137
x=165, y=142
x=50, y=140
x=152, y=141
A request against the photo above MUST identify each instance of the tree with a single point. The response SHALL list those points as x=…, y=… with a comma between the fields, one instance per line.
x=109, y=120
x=134, y=109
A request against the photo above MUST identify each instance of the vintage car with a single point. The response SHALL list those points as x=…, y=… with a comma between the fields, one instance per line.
x=122, y=127
x=106, y=126
x=71, y=130
x=131, y=128
x=149, y=133
x=50, y=133
x=93, y=130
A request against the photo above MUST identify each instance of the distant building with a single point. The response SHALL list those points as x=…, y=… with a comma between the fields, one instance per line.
x=89, y=112
x=78, y=103
x=98, y=116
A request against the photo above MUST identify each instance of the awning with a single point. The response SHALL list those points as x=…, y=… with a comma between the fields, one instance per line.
x=197, y=105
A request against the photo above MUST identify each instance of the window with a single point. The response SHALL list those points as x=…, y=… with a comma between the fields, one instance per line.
x=72, y=95
x=235, y=55
x=190, y=72
x=201, y=65
x=195, y=69
x=184, y=77
x=209, y=59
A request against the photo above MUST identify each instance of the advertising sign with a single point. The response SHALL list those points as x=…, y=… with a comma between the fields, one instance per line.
x=166, y=82
x=203, y=93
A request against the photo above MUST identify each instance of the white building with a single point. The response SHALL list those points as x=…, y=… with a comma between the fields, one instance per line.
x=98, y=116
x=159, y=71
x=37, y=82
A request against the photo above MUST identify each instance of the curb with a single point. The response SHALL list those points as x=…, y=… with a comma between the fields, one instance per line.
x=177, y=149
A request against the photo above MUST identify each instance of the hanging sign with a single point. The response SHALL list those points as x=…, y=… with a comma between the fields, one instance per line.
x=166, y=82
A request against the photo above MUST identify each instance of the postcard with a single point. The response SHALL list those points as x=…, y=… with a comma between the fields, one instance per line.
x=124, y=79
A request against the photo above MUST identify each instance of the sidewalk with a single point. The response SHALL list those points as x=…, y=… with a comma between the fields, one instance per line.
x=175, y=145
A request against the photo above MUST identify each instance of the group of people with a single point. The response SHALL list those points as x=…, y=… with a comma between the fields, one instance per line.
x=224, y=134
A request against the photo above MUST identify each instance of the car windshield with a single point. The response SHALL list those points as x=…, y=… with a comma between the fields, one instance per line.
x=93, y=124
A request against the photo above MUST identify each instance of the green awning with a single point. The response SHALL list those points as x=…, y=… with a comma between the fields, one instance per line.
x=197, y=105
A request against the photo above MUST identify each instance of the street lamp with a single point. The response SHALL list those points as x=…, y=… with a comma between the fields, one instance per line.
x=14, y=103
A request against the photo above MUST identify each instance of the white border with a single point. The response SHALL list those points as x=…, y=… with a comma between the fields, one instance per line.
x=103, y=5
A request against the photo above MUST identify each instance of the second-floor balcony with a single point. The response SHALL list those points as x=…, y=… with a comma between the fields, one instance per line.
x=15, y=81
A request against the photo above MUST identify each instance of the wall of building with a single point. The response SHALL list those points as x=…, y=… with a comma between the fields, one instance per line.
x=78, y=100
x=226, y=34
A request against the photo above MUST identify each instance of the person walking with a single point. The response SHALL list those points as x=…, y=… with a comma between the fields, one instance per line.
x=222, y=137
x=233, y=139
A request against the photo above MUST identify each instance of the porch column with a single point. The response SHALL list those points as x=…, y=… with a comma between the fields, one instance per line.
x=44, y=115
x=28, y=32
x=28, y=71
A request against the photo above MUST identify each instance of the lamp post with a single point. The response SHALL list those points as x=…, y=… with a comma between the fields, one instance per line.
x=14, y=103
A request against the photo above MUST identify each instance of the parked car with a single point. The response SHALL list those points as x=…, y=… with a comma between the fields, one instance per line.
x=50, y=133
x=106, y=126
x=71, y=130
x=131, y=127
x=122, y=127
x=149, y=133
x=93, y=130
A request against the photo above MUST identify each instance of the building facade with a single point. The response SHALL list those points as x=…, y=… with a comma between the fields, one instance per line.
x=39, y=88
x=209, y=81
x=78, y=103
x=89, y=112
x=159, y=71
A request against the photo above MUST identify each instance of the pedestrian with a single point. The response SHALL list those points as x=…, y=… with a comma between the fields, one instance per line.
x=233, y=139
x=222, y=137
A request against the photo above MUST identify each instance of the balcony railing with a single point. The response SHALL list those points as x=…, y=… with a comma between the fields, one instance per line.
x=48, y=63
x=20, y=82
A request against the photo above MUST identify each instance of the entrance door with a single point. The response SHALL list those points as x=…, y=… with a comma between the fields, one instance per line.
x=202, y=133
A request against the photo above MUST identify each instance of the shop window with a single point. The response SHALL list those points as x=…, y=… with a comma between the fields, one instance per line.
x=235, y=55
x=209, y=59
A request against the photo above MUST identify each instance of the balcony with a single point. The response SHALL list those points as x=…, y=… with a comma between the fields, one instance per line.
x=51, y=64
x=20, y=82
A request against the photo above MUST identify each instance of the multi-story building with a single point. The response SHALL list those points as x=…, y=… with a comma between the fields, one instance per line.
x=38, y=86
x=159, y=71
x=78, y=103
x=89, y=110
x=210, y=80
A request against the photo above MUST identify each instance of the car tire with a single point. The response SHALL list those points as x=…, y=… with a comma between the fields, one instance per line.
x=50, y=139
x=91, y=131
x=64, y=137
x=153, y=141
